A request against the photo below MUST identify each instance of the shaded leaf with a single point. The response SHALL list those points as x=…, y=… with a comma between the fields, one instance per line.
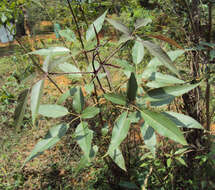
x=116, y=98
x=182, y=120
x=119, y=132
x=67, y=67
x=90, y=112
x=66, y=95
x=36, y=94
x=163, y=125
x=90, y=34
x=132, y=88
x=128, y=185
x=155, y=50
x=117, y=157
x=137, y=52
x=52, y=110
x=119, y=26
x=51, y=138
x=84, y=138
x=20, y=109
x=78, y=101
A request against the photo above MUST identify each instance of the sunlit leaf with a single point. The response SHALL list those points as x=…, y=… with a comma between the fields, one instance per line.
x=132, y=88
x=90, y=112
x=137, y=52
x=52, y=110
x=36, y=94
x=163, y=125
x=84, y=138
x=78, y=101
x=119, y=26
x=51, y=138
x=20, y=109
x=68, y=34
x=116, y=98
x=67, y=68
x=90, y=34
x=117, y=157
x=52, y=51
x=182, y=120
x=142, y=22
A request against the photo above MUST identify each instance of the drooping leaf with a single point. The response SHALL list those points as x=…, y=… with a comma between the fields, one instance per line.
x=119, y=132
x=84, y=138
x=90, y=34
x=68, y=34
x=78, y=101
x=117, y=157
x=163, y=125
x=169, y=92
x=182, y=120
x=67, y=67
x=20, y=109
x=51, y=138
x=52, y=51
x=155, y=50
x=137, y=51
x=119, y=26
x=90, y=112
x=116, y=98
x=149, y=137
x=66, y=95
x=132, y=88
x=52, y=110
x=142, y=22
x=36, y=94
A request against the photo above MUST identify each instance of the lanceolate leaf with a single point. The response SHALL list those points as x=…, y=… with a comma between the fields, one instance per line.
x=116, y=98
x=36, y=94
x=98, y=26
x=132, y=88
x=68, y=34
x=163, y=125
x=168, y=92
x=119, y=132
x=182, y=120
x=20, y=109
x=90, y=112
x=149, y=137
x=53, y=51
x=67, y=67
x=84, y=138
x=119, y=26
x=51, y=138
x=137, y=52
x=117, y=157
x=78, y=101
x=52, y=110
x=161, y=55
x=142, y=22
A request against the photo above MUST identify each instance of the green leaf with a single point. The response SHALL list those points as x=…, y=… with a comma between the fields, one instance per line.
x=78, y=101
x=168, y=93
x=89, y=112
x=46, y=64
x=68, y=34
x=124, y=38
x=155, y=50
x=125, y=65
x=163, y=125
x=182, y=120
x=128, y=185
x=84, y=138
x=117, y=157
x=142, y=22
x=51, y=138
x=116, y=98
x=90, y=34
x=36, y=94
x=132, y=88
x=149, y=137
x=119, y=132
x=181, y=160
x=66, y=95
x=168, y=162
x=67, y=67
x=105, y=130
x=20, y=109
x=137, y=51
x=119, y=26
x=52, y=110
x=52, y=51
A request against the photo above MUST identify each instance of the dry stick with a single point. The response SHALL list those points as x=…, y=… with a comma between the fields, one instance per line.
x=207, y=92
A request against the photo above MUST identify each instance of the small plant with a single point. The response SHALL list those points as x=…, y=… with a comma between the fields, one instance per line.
x=102, y=106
